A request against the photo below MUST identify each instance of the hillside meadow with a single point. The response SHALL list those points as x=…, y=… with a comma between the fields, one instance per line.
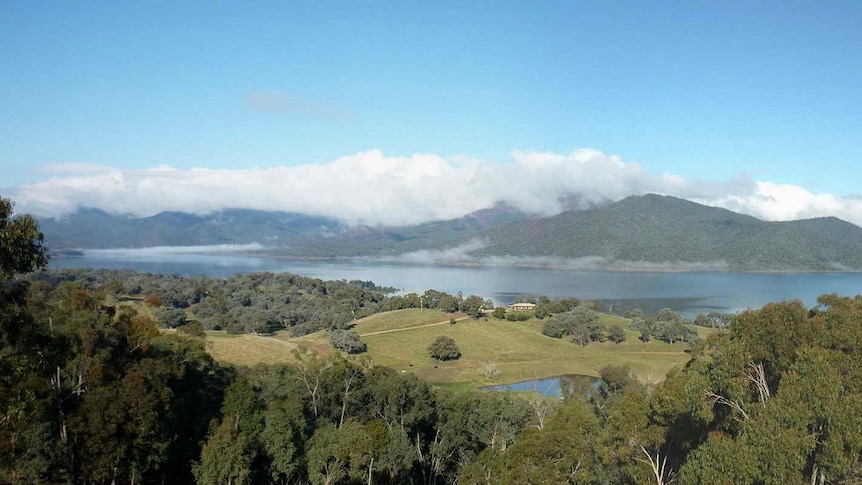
x=399, y=339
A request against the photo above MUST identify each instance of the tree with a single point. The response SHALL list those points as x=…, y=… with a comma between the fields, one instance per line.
x=348, y=341
x=499, y=313
x=444, y=348
x=284, y=438
x=28, y=445
x=172, y=318
x=557, y=326
x=581, y=323
x=232, y=446
x=490, y=370
x=615, y=378
x=225, y=459
x=616, y=334
x=564, y=451
x=193, y=329
x=580, y=334
x=472, y=305
x=337, y=453
x=22, y=246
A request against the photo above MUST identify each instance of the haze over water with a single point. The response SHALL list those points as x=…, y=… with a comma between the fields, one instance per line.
x=687, y=292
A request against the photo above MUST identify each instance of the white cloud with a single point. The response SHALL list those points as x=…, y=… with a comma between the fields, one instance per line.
x=372, y=188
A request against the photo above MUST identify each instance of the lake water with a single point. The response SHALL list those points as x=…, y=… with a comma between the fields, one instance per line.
x=687, y=292
x=559, y=386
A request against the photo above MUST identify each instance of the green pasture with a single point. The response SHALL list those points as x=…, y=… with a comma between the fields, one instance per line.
x=400, y=339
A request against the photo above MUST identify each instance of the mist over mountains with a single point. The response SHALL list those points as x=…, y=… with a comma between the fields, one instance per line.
x=648, y=232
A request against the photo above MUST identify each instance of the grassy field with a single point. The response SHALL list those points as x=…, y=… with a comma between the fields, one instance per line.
x=402, y=319
x=520, y=351
x=400, y=339
x=249, y=350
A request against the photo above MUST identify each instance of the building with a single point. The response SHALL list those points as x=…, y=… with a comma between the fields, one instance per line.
x=521, y=307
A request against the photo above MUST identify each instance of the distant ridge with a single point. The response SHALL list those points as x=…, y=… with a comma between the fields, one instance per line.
x=639, y=232
x=286, y=233
x=97, y=229
x=662, y=229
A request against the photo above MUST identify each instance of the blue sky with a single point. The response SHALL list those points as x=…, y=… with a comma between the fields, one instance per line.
x=706, y=91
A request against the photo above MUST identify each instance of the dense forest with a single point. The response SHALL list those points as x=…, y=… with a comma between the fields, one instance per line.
x=94, y=393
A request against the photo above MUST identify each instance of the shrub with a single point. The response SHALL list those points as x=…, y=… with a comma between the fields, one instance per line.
x=193, y=329
x=153, y=301
x=518, y=316
x=444, y=348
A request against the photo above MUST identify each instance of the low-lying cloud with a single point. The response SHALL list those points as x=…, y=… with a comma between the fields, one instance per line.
x=462, y=255
x=371, y=188
x=163, y=250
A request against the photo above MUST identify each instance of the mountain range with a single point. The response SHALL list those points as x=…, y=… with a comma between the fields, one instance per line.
x=639, y=232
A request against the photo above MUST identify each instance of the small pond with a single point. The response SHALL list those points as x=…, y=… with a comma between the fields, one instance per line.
x=558, y=386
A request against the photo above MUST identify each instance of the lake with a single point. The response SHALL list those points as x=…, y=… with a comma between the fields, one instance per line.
x=686, y=292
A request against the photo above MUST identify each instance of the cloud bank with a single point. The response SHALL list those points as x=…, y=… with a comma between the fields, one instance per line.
x=371, y=188
x=462, y=255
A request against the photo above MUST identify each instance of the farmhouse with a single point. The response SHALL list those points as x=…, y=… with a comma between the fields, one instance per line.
x=521, y=307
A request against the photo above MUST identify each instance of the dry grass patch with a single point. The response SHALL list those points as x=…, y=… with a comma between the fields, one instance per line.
x=248, y=350
x=317, y=342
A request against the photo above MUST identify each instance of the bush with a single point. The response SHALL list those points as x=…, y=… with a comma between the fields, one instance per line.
x=348, y=341
x=444, y=348
x=193, y=329
x=153, y=301
x=518, y=316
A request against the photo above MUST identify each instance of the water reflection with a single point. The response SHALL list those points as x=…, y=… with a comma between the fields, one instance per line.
x=559, y=386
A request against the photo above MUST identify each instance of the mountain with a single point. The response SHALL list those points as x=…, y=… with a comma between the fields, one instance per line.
x=283, y=233
x=678, y=233
x=643, y=232
x=96, y=229
x=395, y=240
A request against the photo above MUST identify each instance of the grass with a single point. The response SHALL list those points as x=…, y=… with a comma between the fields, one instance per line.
x=400, y=319
x=248, y=350
x=519, y=349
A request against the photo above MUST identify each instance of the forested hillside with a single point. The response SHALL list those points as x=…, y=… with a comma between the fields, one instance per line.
x=257, y=302
x=667, y=230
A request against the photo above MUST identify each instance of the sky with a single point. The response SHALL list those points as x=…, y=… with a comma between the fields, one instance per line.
x=402, y=112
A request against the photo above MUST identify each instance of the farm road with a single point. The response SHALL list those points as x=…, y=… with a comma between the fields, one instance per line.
x=445, y=322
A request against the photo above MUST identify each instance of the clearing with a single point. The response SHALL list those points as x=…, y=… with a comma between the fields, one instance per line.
x=399, y=340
